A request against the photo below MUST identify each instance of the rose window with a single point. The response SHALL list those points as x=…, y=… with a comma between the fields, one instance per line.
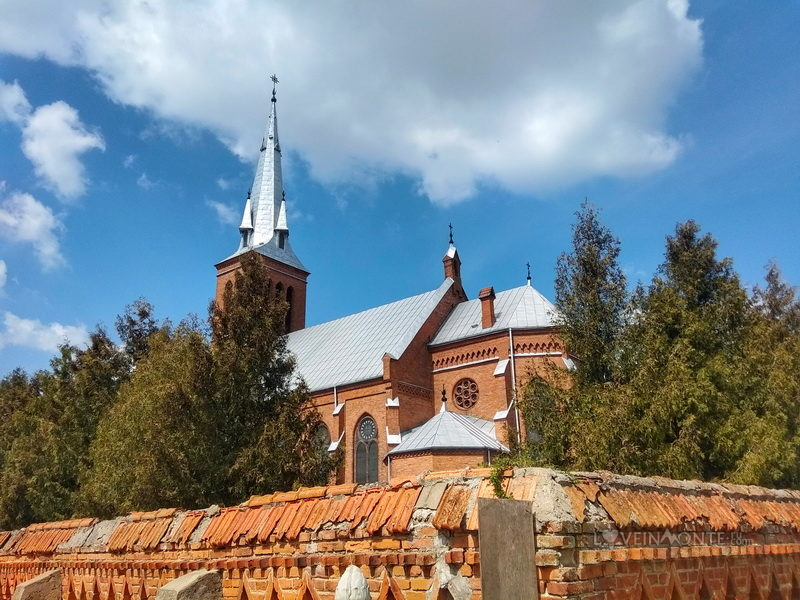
x=465, y=394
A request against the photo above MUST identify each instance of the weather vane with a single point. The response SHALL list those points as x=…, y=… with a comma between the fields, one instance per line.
x=451, y=233
x=528, y=264
x=274, y=79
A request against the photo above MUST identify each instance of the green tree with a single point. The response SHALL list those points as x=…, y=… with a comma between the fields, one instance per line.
x=158, y=445
x=267, y=419
x=135, y=326
x=591, y=296
x=53, y=430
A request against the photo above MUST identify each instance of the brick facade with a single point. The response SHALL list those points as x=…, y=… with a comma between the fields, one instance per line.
x=597, y=537
x=288, y=282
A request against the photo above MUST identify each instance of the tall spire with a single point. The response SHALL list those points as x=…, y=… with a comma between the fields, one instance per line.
x=267, y=191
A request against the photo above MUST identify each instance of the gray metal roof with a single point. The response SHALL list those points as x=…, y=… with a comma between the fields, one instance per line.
x=519, y=308
x=351, y=349
x=271, y=249
x=449, y=431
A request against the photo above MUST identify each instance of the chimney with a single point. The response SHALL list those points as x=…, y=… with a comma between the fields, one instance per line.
x=486, y=296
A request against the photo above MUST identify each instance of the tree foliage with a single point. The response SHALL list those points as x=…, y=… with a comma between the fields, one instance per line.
x=698, y=379
x=173, y=416
x=591, y=294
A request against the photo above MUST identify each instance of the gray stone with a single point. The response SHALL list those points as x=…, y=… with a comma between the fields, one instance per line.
x=352, y=586
x=197, y=585
x=46, y=586
x=459, y=588
x=508, y=550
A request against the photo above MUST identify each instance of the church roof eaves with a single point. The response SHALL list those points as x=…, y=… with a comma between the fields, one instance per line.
x=449, y=431
x=523, y=307
x=271, y=249
x=351, y=349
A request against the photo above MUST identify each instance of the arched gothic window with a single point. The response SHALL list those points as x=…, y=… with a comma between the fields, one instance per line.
x=289, y=296
x=322, y=436
x=279, y=290
x=366, y=450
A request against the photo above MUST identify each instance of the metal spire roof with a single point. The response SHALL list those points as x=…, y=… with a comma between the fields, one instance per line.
x=265, y=210
x=449, y=431
x=267, y=193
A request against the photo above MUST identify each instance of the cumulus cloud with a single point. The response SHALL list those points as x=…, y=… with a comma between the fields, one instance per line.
x=53, y=139
x=14, y=106
x=32, y=333
x=225, y=214
x=525, y=95
x=25, y=220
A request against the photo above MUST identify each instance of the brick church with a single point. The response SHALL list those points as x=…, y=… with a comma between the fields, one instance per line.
x=424, y=383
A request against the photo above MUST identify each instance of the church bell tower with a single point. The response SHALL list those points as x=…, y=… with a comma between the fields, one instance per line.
x=265, y=229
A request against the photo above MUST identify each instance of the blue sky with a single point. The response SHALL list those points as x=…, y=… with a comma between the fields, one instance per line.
x=123, y=126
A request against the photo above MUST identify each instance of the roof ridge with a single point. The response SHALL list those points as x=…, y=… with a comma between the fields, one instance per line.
x=374, y=308
x=474, y=430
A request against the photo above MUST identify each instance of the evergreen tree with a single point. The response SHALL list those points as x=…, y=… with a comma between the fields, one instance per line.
x=267, y=420
x=158, y=446
x=135, y=326
x=53, y=431
x=591, y=296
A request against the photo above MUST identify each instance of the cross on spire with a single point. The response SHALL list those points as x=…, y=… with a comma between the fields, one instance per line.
x=274, y=79
x=444, y=400
x=450, y=226
x=528, y=264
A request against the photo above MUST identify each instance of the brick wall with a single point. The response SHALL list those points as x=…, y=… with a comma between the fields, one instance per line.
x=285, y=275
x=598, y=537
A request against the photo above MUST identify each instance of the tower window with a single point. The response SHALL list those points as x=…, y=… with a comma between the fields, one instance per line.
x=289, y=297
x=366, y=451
x=465, y=393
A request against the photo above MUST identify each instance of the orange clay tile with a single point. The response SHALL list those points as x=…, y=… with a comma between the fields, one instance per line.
x=184, y=531
x=299, y=521
x=452, y=507
x=576, y=499
x=522, y=488
x=284, y=497
x=383, y=510
x=314, y=519
x=589, y=488
x=289, y=513
x=259, y=500
x=368, y=504
x=311, y=492
x=268, y=527
x=342, y=489
x=398, y=523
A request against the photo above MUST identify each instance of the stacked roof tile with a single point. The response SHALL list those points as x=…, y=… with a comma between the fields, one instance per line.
x=446, y=500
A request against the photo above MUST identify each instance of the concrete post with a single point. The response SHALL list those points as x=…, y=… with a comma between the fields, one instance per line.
x=197, y=585
x=46, y=586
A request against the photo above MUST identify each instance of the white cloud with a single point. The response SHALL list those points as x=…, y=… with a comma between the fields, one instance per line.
x=53, y=138
x=14, y=106
x=23, y=219
x=225, y=214
x=128, y=161
x=144, y=182
x=525, y=95
x=32, y=333
x=223, y=184
x=3, y=274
